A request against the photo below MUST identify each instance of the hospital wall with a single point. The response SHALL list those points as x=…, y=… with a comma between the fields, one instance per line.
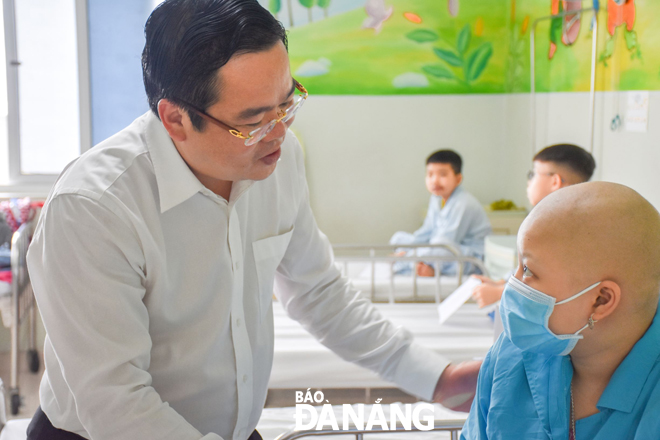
x=365, y=155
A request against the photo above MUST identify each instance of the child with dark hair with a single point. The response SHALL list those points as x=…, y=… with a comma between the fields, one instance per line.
x=555, y=167
x=455, y=217
x=558, y=166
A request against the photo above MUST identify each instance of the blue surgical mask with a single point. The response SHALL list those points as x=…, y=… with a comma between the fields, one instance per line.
x=525, y=313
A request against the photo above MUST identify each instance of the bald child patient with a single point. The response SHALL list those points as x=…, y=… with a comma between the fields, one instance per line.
x=580, y=354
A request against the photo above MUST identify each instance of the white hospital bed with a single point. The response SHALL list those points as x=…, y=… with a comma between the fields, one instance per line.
x=300, y=361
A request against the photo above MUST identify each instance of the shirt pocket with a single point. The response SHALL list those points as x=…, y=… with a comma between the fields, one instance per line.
x=268, y=254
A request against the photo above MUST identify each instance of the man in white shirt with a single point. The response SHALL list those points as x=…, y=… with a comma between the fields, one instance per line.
x=156, y=254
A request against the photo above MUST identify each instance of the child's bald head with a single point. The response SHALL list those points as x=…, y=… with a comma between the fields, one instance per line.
x=600, y=231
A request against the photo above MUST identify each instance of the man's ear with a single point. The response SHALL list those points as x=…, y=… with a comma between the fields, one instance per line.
x=460, y=179
x=609, y=296
x=174, y=119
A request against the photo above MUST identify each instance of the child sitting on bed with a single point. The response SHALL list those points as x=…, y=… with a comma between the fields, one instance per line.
x=555, y=167
x=580, y=354
x=455, y=217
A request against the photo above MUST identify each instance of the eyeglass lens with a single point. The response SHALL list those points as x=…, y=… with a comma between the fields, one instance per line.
x=262, y=132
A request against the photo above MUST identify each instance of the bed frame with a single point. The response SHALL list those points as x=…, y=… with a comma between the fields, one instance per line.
x=451, y=426
x=23, y=306
x=372, y=254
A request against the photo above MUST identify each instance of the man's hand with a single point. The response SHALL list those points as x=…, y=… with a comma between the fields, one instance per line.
x=457, y=386
x=424, y=270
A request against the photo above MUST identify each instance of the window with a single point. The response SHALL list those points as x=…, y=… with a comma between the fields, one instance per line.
x=44, y=108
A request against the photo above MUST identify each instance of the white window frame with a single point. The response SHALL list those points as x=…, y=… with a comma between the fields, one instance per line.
x=38, y=185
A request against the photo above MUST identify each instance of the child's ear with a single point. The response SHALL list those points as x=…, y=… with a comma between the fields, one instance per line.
x=609, y=295
x=556, y=182
x=459, y=178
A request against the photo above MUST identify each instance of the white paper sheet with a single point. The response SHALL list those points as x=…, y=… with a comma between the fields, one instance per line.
x=458, y=297
x=637, y=111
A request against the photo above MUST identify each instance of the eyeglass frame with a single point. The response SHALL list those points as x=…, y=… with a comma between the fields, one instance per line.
x=237, y=133
x=532, y=173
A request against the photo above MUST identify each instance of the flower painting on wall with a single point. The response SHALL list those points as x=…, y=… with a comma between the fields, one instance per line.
x=388, y=47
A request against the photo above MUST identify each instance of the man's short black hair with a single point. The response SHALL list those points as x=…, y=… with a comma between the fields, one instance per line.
x=447, y=156
x=577, y=159
x=189, y=40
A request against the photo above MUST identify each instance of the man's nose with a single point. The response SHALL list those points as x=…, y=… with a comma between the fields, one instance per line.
x=278, y=131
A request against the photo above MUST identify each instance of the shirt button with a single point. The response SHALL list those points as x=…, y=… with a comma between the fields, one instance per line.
x=240, y=433
x=236, y=265
x=238, y=322
x=245, y=378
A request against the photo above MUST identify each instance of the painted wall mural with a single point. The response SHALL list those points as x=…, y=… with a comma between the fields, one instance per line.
x=386, y=47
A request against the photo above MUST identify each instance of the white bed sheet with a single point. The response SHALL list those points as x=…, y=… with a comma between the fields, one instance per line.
x=275, y=421
x=301, y=362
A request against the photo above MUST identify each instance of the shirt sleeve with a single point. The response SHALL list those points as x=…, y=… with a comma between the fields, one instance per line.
x=313, y=292
x=87, y=272
x=423, y=234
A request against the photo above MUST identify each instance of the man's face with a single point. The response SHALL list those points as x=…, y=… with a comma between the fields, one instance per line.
x=542, y=183
x=441, y=180
x=253, y=88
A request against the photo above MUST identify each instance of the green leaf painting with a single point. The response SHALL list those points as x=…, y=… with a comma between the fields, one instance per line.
x=473, y=67
x=422, y=35
x=477, y=61
x=449, y=57
x=464, y=39
x=439, y=71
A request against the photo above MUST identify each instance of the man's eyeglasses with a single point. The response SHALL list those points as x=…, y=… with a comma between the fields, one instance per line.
x=257, y=134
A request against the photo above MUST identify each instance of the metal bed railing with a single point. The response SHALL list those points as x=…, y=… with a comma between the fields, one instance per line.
x=23, y=305
x=386, y=256
x=451, y=426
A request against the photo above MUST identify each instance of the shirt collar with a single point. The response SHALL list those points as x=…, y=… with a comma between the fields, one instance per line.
x=452, y=196
x=176, y=182
x=629, y=378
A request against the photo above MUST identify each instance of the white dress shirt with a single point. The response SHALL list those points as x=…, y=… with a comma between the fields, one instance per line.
x=156, y=294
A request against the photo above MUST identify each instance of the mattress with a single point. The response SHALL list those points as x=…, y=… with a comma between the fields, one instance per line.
x=300, y=361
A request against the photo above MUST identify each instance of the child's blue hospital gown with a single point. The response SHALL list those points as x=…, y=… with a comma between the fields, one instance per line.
x=462, y=223
x=527, y=396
